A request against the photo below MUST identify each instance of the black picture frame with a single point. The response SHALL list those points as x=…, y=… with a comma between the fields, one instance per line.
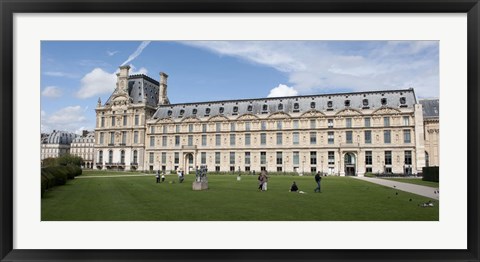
x=10, y=7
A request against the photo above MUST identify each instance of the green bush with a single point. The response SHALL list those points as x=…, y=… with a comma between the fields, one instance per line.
x=50, y=179
x=60, y=174
x=68, y=159
x=430, y=173
x=369, y=175
x=50, y=161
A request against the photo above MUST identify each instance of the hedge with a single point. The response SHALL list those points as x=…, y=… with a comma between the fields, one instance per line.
x=57, y=175
x=430, y=173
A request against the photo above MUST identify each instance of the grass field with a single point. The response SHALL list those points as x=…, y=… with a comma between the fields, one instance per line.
x=416, y=181
x=139, y=198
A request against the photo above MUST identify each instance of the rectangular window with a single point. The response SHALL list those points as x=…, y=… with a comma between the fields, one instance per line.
x=164, y=141
x=296, y=139
x=313, y=138
x=217, y=158
x=368, y=136
x=348, y=137
x=232, y=127
x=113, y=121
x=331, y=137
x=232, y=158
x=263, y=138
x=177, y=128
x=247, y=158
x=330, y=123
x=368, y=157
x=331, y=157
x=204, y=128
x=124, y=137
x=295, y=124
x=348, y=122
x=190, y=140
x=177, y=140
x=152, y=129
x=232, y=139
x=263, y=158
x=204, y=140
x=313, y=158
x=296, y=158
x=313, y=124
x=218, y=127
x=406, y=136
x=247, y=126
x=264, y=125
x=135, y=137
x=102, y=122
x=406, y=121
x=136, y=120
x=386, y=136
x=367, y=122
x=164, y=157
x=124, y=120
x=279, y=138
x=203, y=158
x=388, y=157
x=408, y=157
x=176, y=158
x=165, y=129
x=386, y=121
x=247, y=139
x=279, y=125
x=150, y=158
x=190, y=128
x=152, y=141
x=112, y=138
x=218, y=140
x=279, y=158
x=101, y=138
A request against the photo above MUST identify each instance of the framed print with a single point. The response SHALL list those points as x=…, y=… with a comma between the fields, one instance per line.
x=267, y=130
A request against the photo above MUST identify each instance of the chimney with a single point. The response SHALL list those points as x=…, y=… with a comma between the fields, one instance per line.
x=122, y=78
x=162, y=94
x=84, y=133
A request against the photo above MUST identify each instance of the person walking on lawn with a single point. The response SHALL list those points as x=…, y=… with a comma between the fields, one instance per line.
x=318, y=178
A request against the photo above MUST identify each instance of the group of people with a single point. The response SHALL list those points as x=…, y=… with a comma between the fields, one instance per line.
x=262, y=181
x=160, y=179
x=318, y=178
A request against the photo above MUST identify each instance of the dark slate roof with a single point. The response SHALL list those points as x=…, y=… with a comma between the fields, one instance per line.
x=59, y=137
x=239, y=107
x=89, y=138
x=431, y=108
x=140, y=88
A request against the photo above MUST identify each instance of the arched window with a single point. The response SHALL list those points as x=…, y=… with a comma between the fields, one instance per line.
x=265, y=107
x=312, y=105
x=296, y=106
x=194, y=111
x=330, y=104
x=347, y=103
x=384, y=101
x=280, y=106
x=365, y=102
x=235, y=109
x=221, y=110
x=169, y=113
x=182, y=112
x=207, y=111
x=403, y=100
x=249, y=108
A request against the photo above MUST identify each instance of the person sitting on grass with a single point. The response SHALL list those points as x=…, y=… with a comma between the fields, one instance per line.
x=294, y=187
x=163, y=177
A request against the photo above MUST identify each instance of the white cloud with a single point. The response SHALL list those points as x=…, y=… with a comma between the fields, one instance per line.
x=97, y=82
x=111, y=53
x=52, y=91
x=282, y=90
x=59, y=74
x=330, y=66
x=70, y=118
x=137, y=52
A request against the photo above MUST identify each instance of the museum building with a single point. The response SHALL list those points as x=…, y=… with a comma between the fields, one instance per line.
x=138, y=128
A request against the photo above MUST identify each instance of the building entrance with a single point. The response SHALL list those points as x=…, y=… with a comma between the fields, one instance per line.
x=350, y=164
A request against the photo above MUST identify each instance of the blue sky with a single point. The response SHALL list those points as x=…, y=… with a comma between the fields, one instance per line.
x=74, y=74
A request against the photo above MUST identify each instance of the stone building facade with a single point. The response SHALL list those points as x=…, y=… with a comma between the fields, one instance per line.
x=431, y=112
x=56, y=144
x=338, y=134
x=83, y=146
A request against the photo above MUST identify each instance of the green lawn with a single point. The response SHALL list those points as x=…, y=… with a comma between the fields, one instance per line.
x=417, y=181
x=140, y=198
x=87, y=172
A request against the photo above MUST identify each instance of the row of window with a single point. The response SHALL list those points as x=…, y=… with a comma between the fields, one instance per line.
x=124, y=122
x=122, y=157
x=280, y=107
x=279, y=138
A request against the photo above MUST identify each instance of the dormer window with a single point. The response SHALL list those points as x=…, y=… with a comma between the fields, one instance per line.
x=384, y=101
x=194, y=111
x=312, y=105
x=280, y=106
x=265, y=107
x=169, y=112
x=365, y=102
x=182, y=112
x=249, y=108
x=330, y=104
x=403, y=100
x=296, y=106
x=207, y=111
x=221, y=110
x=235, y=109
x=347, y=103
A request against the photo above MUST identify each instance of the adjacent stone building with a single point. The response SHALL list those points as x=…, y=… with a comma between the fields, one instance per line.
x=431, y=109
x=56, y=144
x=339, y=134
x=83, y=146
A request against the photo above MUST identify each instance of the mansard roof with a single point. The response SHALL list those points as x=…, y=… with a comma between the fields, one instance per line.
x=59, y=137
x=89, y=138
x=141, y=88
x=292, y=104
x=431, y=108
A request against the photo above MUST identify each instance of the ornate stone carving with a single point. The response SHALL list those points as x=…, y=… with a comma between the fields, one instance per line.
x=386, y=110
x=247, y=117
x=313, y=113
x=348, y=112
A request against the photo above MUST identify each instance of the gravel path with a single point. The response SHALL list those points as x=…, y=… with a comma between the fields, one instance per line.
x=412, y=188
